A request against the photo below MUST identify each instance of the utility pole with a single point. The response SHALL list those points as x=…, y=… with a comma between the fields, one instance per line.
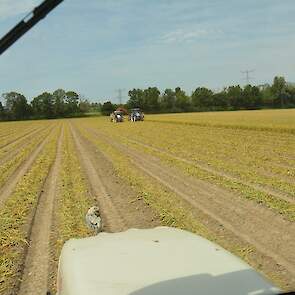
x=248, y=77
x=120, y=95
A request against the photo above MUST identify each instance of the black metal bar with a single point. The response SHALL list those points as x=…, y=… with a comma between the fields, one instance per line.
x=27, y=23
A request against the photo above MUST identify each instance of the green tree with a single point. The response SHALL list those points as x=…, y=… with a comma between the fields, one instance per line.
x=235, y=96
x=95, y=107
x=291, y=95
x=16, y=105
x=72, y=102
x=252, y=97
x=58, y=97
x=202, y=97
x=267, y=96
x=84, y=106
x=37, y=106
x=43, y=106
x=220, y=100
x=107, y=108
x=2, y=112
x=279, y=90
x=48, y=105
x=168, y=100
x=151, y=99
x=182, y=100
x=136, y=99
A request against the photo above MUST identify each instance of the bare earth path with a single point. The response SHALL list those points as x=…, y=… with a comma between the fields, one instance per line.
x=35, y=274
x=266, y=231
x=113, y=197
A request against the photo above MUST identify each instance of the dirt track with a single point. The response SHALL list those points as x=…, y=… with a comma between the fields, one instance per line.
x=266, y=231
x=112, y=195
x=116, y=201
x=231, y=218
x=35, y=273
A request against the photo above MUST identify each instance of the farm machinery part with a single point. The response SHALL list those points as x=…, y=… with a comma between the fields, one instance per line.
x=117, y=116
x=27, y=23
x=154, y=261
x=136, y=115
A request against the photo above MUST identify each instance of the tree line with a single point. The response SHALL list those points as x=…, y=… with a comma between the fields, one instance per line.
x=47, y=105
x=279, y=94
x=61, y=103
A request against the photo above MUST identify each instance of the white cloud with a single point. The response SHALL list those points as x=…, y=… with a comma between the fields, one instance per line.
x=9, y=8
x=187, y=35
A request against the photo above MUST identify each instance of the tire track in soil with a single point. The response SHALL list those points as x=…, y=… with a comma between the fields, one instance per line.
x=23, y=136
x=268, y=232
x=112, y=220
x=261, y=188
x=36, y=270
x=134, y=210
x=14, y=151
x=7, y=189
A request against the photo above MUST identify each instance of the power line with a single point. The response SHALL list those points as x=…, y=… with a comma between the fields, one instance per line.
x=247, y=76
x=120, y=95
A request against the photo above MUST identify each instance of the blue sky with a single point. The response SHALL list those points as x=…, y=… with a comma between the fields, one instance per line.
x=98, y=47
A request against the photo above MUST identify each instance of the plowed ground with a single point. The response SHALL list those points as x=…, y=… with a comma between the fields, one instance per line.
x=140, y=177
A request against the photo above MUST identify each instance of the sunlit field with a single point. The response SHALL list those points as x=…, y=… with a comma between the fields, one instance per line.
x=260, y=119
x=223, y=175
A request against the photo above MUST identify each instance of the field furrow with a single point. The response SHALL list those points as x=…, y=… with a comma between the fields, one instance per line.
x=239, y=158
x=17, y=214
x=8, y=129
x=72, y=200
x=36, y=268
x=15, y=137
x=12, y=150
x=227, y=176
x=221, y=207
x=14, y=169
x=207, y=168
x=279, y=121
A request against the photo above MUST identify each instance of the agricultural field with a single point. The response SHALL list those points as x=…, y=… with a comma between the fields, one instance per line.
x=227, y=176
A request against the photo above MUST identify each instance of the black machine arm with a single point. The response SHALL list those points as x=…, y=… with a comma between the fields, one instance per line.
x=27, y=23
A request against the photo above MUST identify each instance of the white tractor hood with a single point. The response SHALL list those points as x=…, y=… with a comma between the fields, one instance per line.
x=154, y=262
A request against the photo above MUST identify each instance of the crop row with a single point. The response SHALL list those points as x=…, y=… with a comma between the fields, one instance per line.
x=171, y=208
x=281, y=121
x=12, y=133
x=160, y=143
x=21, y=141
x=16, y=215
x=8, y=167
x=268, y=161
x=9, y=128
x=159, y=199
x=73, y=201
